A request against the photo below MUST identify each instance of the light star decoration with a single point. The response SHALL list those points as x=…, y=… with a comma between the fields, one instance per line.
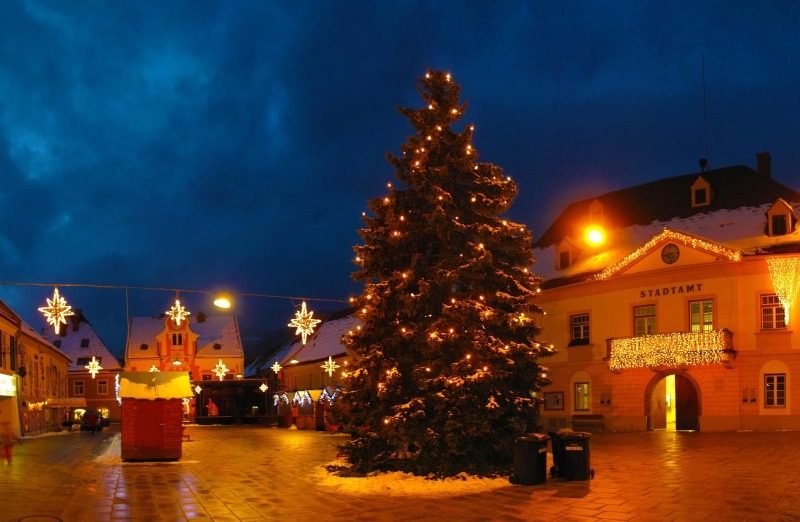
x=305, y=322
x=198, y=389
x=56, y=311
x=329, y=366
x=177, y=312
x=263, y=387
x=276, y=367
x=220, y=369
x=153, y=369
x=94, y=367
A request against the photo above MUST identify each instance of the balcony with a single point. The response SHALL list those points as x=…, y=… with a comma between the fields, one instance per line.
x=671, y=350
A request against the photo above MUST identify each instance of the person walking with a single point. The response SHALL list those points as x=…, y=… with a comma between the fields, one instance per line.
x=7, y=440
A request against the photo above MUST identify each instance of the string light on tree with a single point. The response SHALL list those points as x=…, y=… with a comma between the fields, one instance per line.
x=177, y=312
x=330, y=366
x=56, y=311
x=304, y=322
x=220, y=370
x=94, y=367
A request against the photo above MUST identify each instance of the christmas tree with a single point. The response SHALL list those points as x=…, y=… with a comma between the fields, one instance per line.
x=446, y=366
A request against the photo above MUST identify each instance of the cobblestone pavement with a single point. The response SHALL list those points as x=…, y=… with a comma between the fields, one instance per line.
x=256, y=473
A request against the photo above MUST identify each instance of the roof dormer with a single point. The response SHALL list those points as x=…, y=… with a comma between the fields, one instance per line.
x=566, y=255
x=780, y=218
x=701, y=193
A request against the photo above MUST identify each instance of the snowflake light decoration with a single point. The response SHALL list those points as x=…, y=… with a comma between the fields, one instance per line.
x=56, y=311
x=263, y=387
x=304, y=322
x=198, y=389
x=94, y=367
x=220, y=369
x=329, y=366
x=178, y=312
x=277, y=367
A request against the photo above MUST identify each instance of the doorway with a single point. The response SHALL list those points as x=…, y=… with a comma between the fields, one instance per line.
x=672, y=404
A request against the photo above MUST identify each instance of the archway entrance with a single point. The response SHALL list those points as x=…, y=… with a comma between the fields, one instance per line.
x=673, y=404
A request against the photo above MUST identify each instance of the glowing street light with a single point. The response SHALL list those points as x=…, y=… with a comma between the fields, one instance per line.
x=595, y=235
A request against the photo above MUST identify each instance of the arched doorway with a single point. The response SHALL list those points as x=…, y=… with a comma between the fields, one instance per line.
x=672, y=403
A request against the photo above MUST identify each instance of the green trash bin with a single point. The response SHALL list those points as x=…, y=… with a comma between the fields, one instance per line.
x=575, y=456
x=530, y=459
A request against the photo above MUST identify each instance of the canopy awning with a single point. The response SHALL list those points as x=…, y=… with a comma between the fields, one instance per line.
x=67, y=402
x=155, y=385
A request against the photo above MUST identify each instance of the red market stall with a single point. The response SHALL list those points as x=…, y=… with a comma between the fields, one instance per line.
x=152, y=414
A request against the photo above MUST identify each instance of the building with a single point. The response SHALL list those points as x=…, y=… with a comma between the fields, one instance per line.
x=673, y=305
x=208, y=347
x=95, y=390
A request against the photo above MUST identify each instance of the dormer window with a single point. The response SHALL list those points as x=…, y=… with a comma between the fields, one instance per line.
x=567, y=254
x=780, y=219
x=84, y=343
x=701, y=193
x=563, y=259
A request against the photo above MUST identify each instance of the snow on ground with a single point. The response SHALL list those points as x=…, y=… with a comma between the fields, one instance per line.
x=404, y=484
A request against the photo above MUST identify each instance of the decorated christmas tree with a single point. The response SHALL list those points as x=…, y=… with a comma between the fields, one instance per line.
x=446, y=366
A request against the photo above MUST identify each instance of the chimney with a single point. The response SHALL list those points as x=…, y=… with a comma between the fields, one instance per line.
x=764, y=164
x=76, y=319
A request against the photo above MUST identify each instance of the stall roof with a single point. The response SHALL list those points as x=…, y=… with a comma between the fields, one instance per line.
x=155, y=385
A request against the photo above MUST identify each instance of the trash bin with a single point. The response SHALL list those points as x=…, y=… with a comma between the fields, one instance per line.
x=530, y=459
x=558, y=469
x=575, y=455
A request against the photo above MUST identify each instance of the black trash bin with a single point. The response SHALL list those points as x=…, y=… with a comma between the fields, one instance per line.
x=575, y=455
x=558, y=469
x=530, y=459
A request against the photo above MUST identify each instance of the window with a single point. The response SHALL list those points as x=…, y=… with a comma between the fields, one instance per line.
x=701, y=193
x=177, y=339
x=775, y=390
x=644, y=320
x=84, y=343
x=773, y=316
x=779, y=227
x=563, y=259
x=700, y=197
x=581, y=396
x=57, y=343
x=77, y=388
x=579, y=329
x=701, y=316
x=102, y=387
x=83, y=361
x=206, y=376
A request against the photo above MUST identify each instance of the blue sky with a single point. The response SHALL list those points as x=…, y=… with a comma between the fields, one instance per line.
x=235, y=144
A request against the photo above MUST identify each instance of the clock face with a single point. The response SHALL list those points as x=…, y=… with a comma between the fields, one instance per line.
x=670, y=253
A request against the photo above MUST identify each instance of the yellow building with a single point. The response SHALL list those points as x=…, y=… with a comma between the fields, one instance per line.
x=673, y=305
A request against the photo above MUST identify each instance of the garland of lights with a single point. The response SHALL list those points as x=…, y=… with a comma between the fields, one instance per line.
x=302, y=397
x=785, y=275
x=280, y=397
x=328, y=396
x=672, y=349
x=694, y=242
x=116, y=389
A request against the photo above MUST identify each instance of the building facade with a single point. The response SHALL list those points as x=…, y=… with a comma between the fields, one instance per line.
x=87, y=390
x=673, y=305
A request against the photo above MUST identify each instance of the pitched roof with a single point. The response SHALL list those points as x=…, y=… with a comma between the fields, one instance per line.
x=326, y=342
x=80, y=341
x=670, y=198
x=214, y=329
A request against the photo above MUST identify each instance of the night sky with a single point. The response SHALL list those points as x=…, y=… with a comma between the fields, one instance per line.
x=200, y=145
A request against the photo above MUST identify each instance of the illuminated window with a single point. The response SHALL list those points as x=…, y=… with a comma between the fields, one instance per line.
x=644, y=320
x=579, y=329
x=102, y=387
x=775, y=390
x=78, y=388
x=581, y=396
x=773, y=316
x=701, y=316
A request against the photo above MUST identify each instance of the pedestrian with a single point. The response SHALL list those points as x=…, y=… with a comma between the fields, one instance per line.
x=7, y=440
x=90, y=418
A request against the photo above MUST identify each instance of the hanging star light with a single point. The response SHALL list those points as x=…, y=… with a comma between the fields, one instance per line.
x=94, y=367
x=56, y=311
x=330, y=366
x=276, y=367
x=177, y=312
x=263, y=387
x=153, y=369
x=305, y=322
x=198, y=389
x=220, y=369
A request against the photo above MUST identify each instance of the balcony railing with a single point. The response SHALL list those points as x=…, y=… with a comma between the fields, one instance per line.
x=671, y=350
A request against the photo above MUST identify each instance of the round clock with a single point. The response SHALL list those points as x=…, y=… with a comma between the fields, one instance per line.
x=670, y=253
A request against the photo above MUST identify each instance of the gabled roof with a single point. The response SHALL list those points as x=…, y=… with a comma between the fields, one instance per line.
x=77, y=332
x=213, y=330
x=669, y=198
x=326, y=342
x=33, y=334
